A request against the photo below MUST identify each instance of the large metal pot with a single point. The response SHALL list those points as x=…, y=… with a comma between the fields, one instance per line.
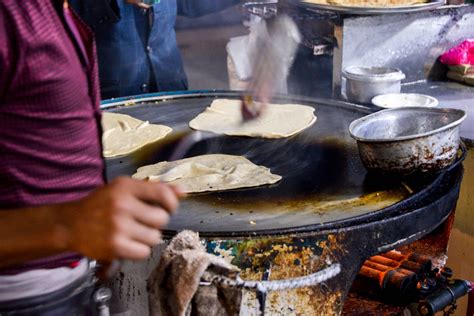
x=408, y=140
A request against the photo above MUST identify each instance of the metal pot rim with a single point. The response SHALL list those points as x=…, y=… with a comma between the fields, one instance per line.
x=362, y=120
x=392, y=74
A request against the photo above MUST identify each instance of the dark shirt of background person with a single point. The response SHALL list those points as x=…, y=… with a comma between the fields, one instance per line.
x=137, y=49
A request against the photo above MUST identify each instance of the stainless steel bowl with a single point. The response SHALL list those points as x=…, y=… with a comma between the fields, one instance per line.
x=408, y=140
x=364, y=83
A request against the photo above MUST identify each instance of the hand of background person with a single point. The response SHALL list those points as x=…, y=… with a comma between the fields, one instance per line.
x=121, y=220
x=138, y=3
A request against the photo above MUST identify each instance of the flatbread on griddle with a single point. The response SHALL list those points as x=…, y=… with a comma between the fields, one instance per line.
x=368, y=3
x=277, y=121
x=214, y=172
x=123, y=134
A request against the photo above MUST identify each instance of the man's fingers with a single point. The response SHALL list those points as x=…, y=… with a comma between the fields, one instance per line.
x=129, y=249
x=156, y=193
x=179, y=191
x=142, y=5
x=144, y=234
x=139, y=4
x=152, y=216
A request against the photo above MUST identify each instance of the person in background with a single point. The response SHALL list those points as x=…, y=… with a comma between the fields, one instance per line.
x=136, y=43
x=55, y=208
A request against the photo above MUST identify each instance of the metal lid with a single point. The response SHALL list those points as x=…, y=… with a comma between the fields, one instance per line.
x=373, y=74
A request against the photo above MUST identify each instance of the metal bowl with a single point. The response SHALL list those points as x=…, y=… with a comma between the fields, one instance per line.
x=364, y=83
x=398, y=100
x=408, y=140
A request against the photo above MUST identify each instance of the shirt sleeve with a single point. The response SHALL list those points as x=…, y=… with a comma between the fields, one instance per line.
x=7, y=61
x=96, y=12
x=196, y=8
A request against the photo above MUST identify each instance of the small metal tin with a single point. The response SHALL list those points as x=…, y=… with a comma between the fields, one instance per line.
x=364, y=83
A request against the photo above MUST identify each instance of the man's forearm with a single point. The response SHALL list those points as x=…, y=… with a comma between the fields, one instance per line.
x=32, y=233
x=119, y=220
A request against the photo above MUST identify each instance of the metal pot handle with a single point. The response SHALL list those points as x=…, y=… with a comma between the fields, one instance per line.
x=277, y=285
x=263, y=287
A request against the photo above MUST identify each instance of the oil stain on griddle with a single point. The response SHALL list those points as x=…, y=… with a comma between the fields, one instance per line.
x=319, y=170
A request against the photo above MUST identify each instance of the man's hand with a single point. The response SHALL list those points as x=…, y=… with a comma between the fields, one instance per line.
x=138, y=3
x=120, y=220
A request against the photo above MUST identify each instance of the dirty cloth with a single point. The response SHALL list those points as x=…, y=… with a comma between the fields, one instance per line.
x=174, y=286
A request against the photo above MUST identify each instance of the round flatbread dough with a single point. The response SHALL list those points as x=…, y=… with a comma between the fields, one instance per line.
x=277, y=121
x=123, y=134
x=209, y=173
x=368, y=3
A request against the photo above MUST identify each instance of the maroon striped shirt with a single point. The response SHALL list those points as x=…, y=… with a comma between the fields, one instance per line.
x=50, y=149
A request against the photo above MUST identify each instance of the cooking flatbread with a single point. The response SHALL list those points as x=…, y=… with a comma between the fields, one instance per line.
x=277, y=121
x=124, y=134
x=209, y=173
x=368, y=3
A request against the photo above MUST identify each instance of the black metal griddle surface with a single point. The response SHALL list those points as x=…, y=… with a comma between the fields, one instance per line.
x=323, y=178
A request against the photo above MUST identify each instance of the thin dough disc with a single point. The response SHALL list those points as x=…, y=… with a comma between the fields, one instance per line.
x=124, y=134
x=209, y=173
x=277, y=121
x=369, y=3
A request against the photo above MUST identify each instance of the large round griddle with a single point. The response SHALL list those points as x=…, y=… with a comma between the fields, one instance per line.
x=324, y=182
x=316, y=210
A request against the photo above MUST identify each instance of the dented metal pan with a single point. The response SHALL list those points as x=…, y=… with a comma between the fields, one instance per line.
x=408, y=140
